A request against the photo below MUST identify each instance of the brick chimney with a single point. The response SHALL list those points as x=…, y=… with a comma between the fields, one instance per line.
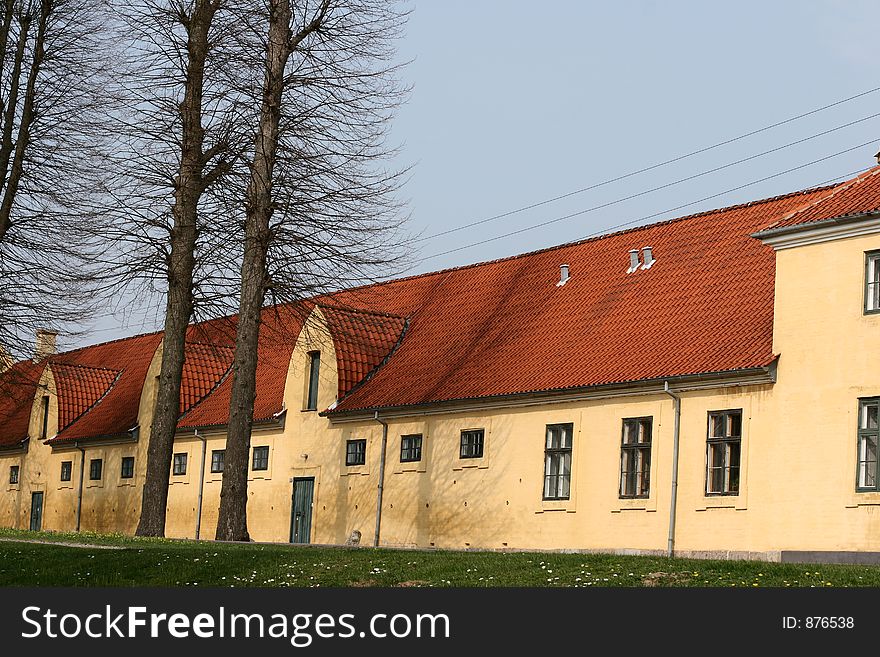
x=45, y=346
x=5, y=360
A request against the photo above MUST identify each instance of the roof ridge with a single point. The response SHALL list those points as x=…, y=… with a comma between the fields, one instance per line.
x=835, y=190
x=361, y=311
x=594, y=238
x=85, y=367
x=213, y=345
x=106, y=342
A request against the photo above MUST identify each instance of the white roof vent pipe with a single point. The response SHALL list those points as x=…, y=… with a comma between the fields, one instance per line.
x=564, y=275
x=633, y=261
x=647, y=257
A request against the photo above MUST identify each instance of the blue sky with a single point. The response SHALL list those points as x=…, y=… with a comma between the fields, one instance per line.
x=516, y=102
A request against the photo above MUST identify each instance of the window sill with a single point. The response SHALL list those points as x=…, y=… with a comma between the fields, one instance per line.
x=10, y=487
x=354, y=471
x=566, y=506
x=635, y=504
x=65, y=486
x=472, y=464
x=126, y=484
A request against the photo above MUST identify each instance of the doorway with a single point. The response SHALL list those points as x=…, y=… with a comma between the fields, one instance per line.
x=301, y=510
x=36, y=511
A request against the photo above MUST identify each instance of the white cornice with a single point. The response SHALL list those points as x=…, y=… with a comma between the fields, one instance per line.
x=825, y=231
x=712, y=381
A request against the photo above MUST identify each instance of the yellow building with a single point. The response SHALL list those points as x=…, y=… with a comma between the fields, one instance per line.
x=705, y=385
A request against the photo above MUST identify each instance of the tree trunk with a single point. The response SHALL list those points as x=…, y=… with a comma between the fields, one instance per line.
x=232, y=518
x=189, y=187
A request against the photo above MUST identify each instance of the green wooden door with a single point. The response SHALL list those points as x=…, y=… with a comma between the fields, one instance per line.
x=301, y=514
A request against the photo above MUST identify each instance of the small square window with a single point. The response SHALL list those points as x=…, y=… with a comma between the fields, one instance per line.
x=218, y=459
x=472, y=444
x=355, y=452
x=180, y=464
x=66, y=470
x=13, y=474
x=872, y=282
x=411, y=448
x=260, y=458
x=96, y=468
x=127, y=467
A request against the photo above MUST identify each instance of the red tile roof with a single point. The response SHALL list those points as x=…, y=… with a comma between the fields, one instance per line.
x=116, y=412
x=362, y=340
x=505, y=327
x=204, y=367
x=852, y=198
x=491, y=329
x=18, y=387
x=79, y=388
x=279, y=331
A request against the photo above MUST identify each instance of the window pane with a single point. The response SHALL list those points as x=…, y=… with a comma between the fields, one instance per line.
x=868, y=462
x=644, y=484
x=716, y=425
x=630, y=432
x=734, y=425
x=869, y=416
x=552, y=437
x=733, y=451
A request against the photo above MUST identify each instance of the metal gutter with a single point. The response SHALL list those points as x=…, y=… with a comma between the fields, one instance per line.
x=381, y=478
x=79, y=497
x=201, y=482
x=821, y=223
x=673, y=500
x=702, y=381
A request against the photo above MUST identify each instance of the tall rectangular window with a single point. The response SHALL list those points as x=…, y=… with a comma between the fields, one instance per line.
x=66, y=470
x=44, y=432
x=314, y=370
x=411, y=448
x=355, y=452
x=13, y=474
x=872, y=282
x=557, y=461
x=869, y=436
x=96, y=467
x=180, y=464
x=218, y=460
x=260, y=458
x=472, y=441
x=723, y=445
x=127, y=467
x=635, y=457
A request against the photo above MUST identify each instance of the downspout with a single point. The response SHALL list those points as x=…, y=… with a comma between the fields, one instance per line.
x=381, y=478
x=79, y=498
x=201, y=482
x=670, y=544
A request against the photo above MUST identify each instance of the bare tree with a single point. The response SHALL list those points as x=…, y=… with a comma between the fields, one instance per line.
x=319, y=208
x=52, y=145
x=175, y=147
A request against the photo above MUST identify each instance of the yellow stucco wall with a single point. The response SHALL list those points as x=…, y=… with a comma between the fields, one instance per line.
x=798, y=453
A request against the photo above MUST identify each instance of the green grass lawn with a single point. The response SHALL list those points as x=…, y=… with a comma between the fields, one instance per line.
x=158, y=562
